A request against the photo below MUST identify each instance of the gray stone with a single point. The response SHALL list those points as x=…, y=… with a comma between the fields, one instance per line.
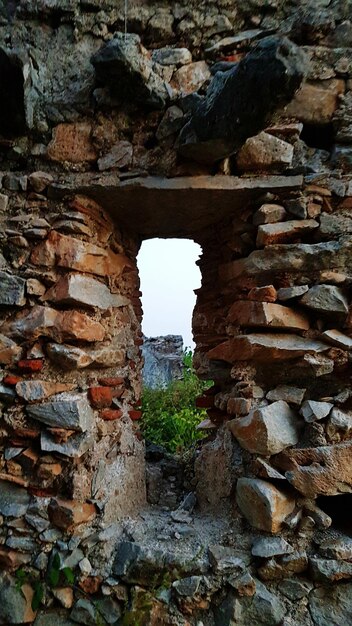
x=71, y=411
x=262, y=609
x=269, y=214
x=187, y=587
x=109, y=610
x=15, y=605
x=287, y=393
x=84, y=612
x=119, y=156
x=7, y=394
x=172, y=56
x=326, y=299
x=10, y=352
x=337, y=338
x=266, y=547
x=76, y=289
x=226, y=560
x=288, y=293
x=340, y=548
x=69, y=357
x=163, y=360
x=264, y=152
x=4, y=200
x=329, y=570
x=74, y=447
x=331, y=605
x=12, y=290
x=55, y=617
x=312, y=410
x=23, y=544
x=295, y=589
x=297, y=207
x=14, y=501
x=41, y=562
x=267, y=430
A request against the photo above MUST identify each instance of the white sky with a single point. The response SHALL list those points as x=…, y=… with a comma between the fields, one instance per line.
x=168, y=276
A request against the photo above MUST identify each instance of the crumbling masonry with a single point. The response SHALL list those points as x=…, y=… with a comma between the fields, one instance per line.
x=228, y=122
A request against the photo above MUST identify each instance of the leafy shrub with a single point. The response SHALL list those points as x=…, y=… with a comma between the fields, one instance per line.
x=170, y=416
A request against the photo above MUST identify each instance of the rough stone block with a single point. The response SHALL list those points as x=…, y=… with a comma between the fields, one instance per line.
x=250, y=313
x=67, y=514
x=269, y=234
x=76, y=289
x=72, y=143
x=15, y=605
x=12, y=290
x=264, y=152
x=264, y=506
x=69, y=411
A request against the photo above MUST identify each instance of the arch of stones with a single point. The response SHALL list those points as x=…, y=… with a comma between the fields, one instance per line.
x=190, y=127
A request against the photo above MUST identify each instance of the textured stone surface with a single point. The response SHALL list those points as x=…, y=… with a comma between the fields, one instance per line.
x=326, y=299
x=316, y=103
x=247, y=313
x=312, y=471
x=264, y=609
x=267, y=430
x=331, y=605
x=269, y=234
x=35, y=390
x=14, y=501
x=9, y=351
x=15, y=606
x=75, y=289
x=267, y=547
x=12, y=290
x=264, y=152
x=67, y=514
x=72, y=142
x=70, y=411
x=292, y=395
x=264, y=506
x=264, y=347
x=312, y=410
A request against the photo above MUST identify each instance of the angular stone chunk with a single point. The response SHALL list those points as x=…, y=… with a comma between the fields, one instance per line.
x=264, y=506
x=326, y=470
x=267, y=430
x=67, y=514
x=331, y=605
x=267, y=293
x=335, y=224
x=292, y=395
x=77, y=289
x=250, y=313
x=288, y=293
x=172, y=56
x=312, y=410
x=74, y=447
x=70, y=357
x=266, y=547
x=340, y=548
x=315, y=103
x=326, y=299
x=337, y=338
x=265, y=347
x=262, y=608
x=264, y=152
x=300, y=257
x=41, y=321
x=330, y=570
x=15, y=605
x=70, y=411
x=269, y=234
x=10, y=352
x=12, y=290
x=269, y=214
x=36, y=390
x=75, y=254
x=72, y=143
x=14, y=501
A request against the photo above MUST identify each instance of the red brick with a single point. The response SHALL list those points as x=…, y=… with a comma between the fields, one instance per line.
x=112, y=381
x=11, y=379
x=31, y=365
x=135, y=415
x=100, y=397
x=109, y=415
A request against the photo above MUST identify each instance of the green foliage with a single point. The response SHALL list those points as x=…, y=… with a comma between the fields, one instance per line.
x=170, y=416
x=38, y=595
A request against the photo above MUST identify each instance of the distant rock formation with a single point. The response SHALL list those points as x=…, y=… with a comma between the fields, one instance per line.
x=162, y=360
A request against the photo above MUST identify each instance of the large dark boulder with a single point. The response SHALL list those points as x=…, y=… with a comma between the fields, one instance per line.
x=240, y=102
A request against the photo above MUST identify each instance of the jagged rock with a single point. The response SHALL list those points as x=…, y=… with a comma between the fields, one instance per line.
x=265, y=347
x=335, y=224
x=12, y=290
x=187, y=587
x=329, y=570
x=286, y=565
x=85, y=612
x=163, y=360
x=41, y=321
x=124, y=65
x=249, y=313
x=72, y=143
x=340, y=548
x=74, y=447
x=269, y=214
x=267, y=430
x=66, y=514
x=312, y=471
x=264, y=80
x=172, y=56
x=295, y=589
x=15, y=605
x=331, y=604
x=263, y=609
x=57, y=617
x=288, y=293
x=312, y=410
x=14, y=501
x=10, y=352
x=35, y=390
x=316, y=103
x=292, y=395
x=226, y=560
x=267, y=293
x=326, y=299
x=119, y=156
x=76, y=289
x=244, y=584
x=189, y=78
x=7, y=394
x=74, y=254
x=264, y=506
x=71, y=357
x=264, y=152
x=70, y=411
x=266, y=547
x=337, y=338
x=270, y=234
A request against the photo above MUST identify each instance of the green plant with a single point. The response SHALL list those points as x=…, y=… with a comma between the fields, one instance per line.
x=54, y=574
x=170, y=416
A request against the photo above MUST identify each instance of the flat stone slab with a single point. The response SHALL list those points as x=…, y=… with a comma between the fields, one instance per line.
x=193, y=202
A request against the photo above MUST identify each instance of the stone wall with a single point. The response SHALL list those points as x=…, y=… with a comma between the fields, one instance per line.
x=163, y=360
x=102, y=145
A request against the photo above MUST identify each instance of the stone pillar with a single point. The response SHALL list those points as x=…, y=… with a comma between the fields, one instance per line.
x=70, y=367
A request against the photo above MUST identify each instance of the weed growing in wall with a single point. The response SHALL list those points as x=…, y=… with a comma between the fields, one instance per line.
x=170, y=416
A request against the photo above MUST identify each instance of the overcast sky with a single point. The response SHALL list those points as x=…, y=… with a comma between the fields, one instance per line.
x=168, y=276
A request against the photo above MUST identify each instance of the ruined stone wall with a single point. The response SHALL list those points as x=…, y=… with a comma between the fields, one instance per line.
x=89, y=127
